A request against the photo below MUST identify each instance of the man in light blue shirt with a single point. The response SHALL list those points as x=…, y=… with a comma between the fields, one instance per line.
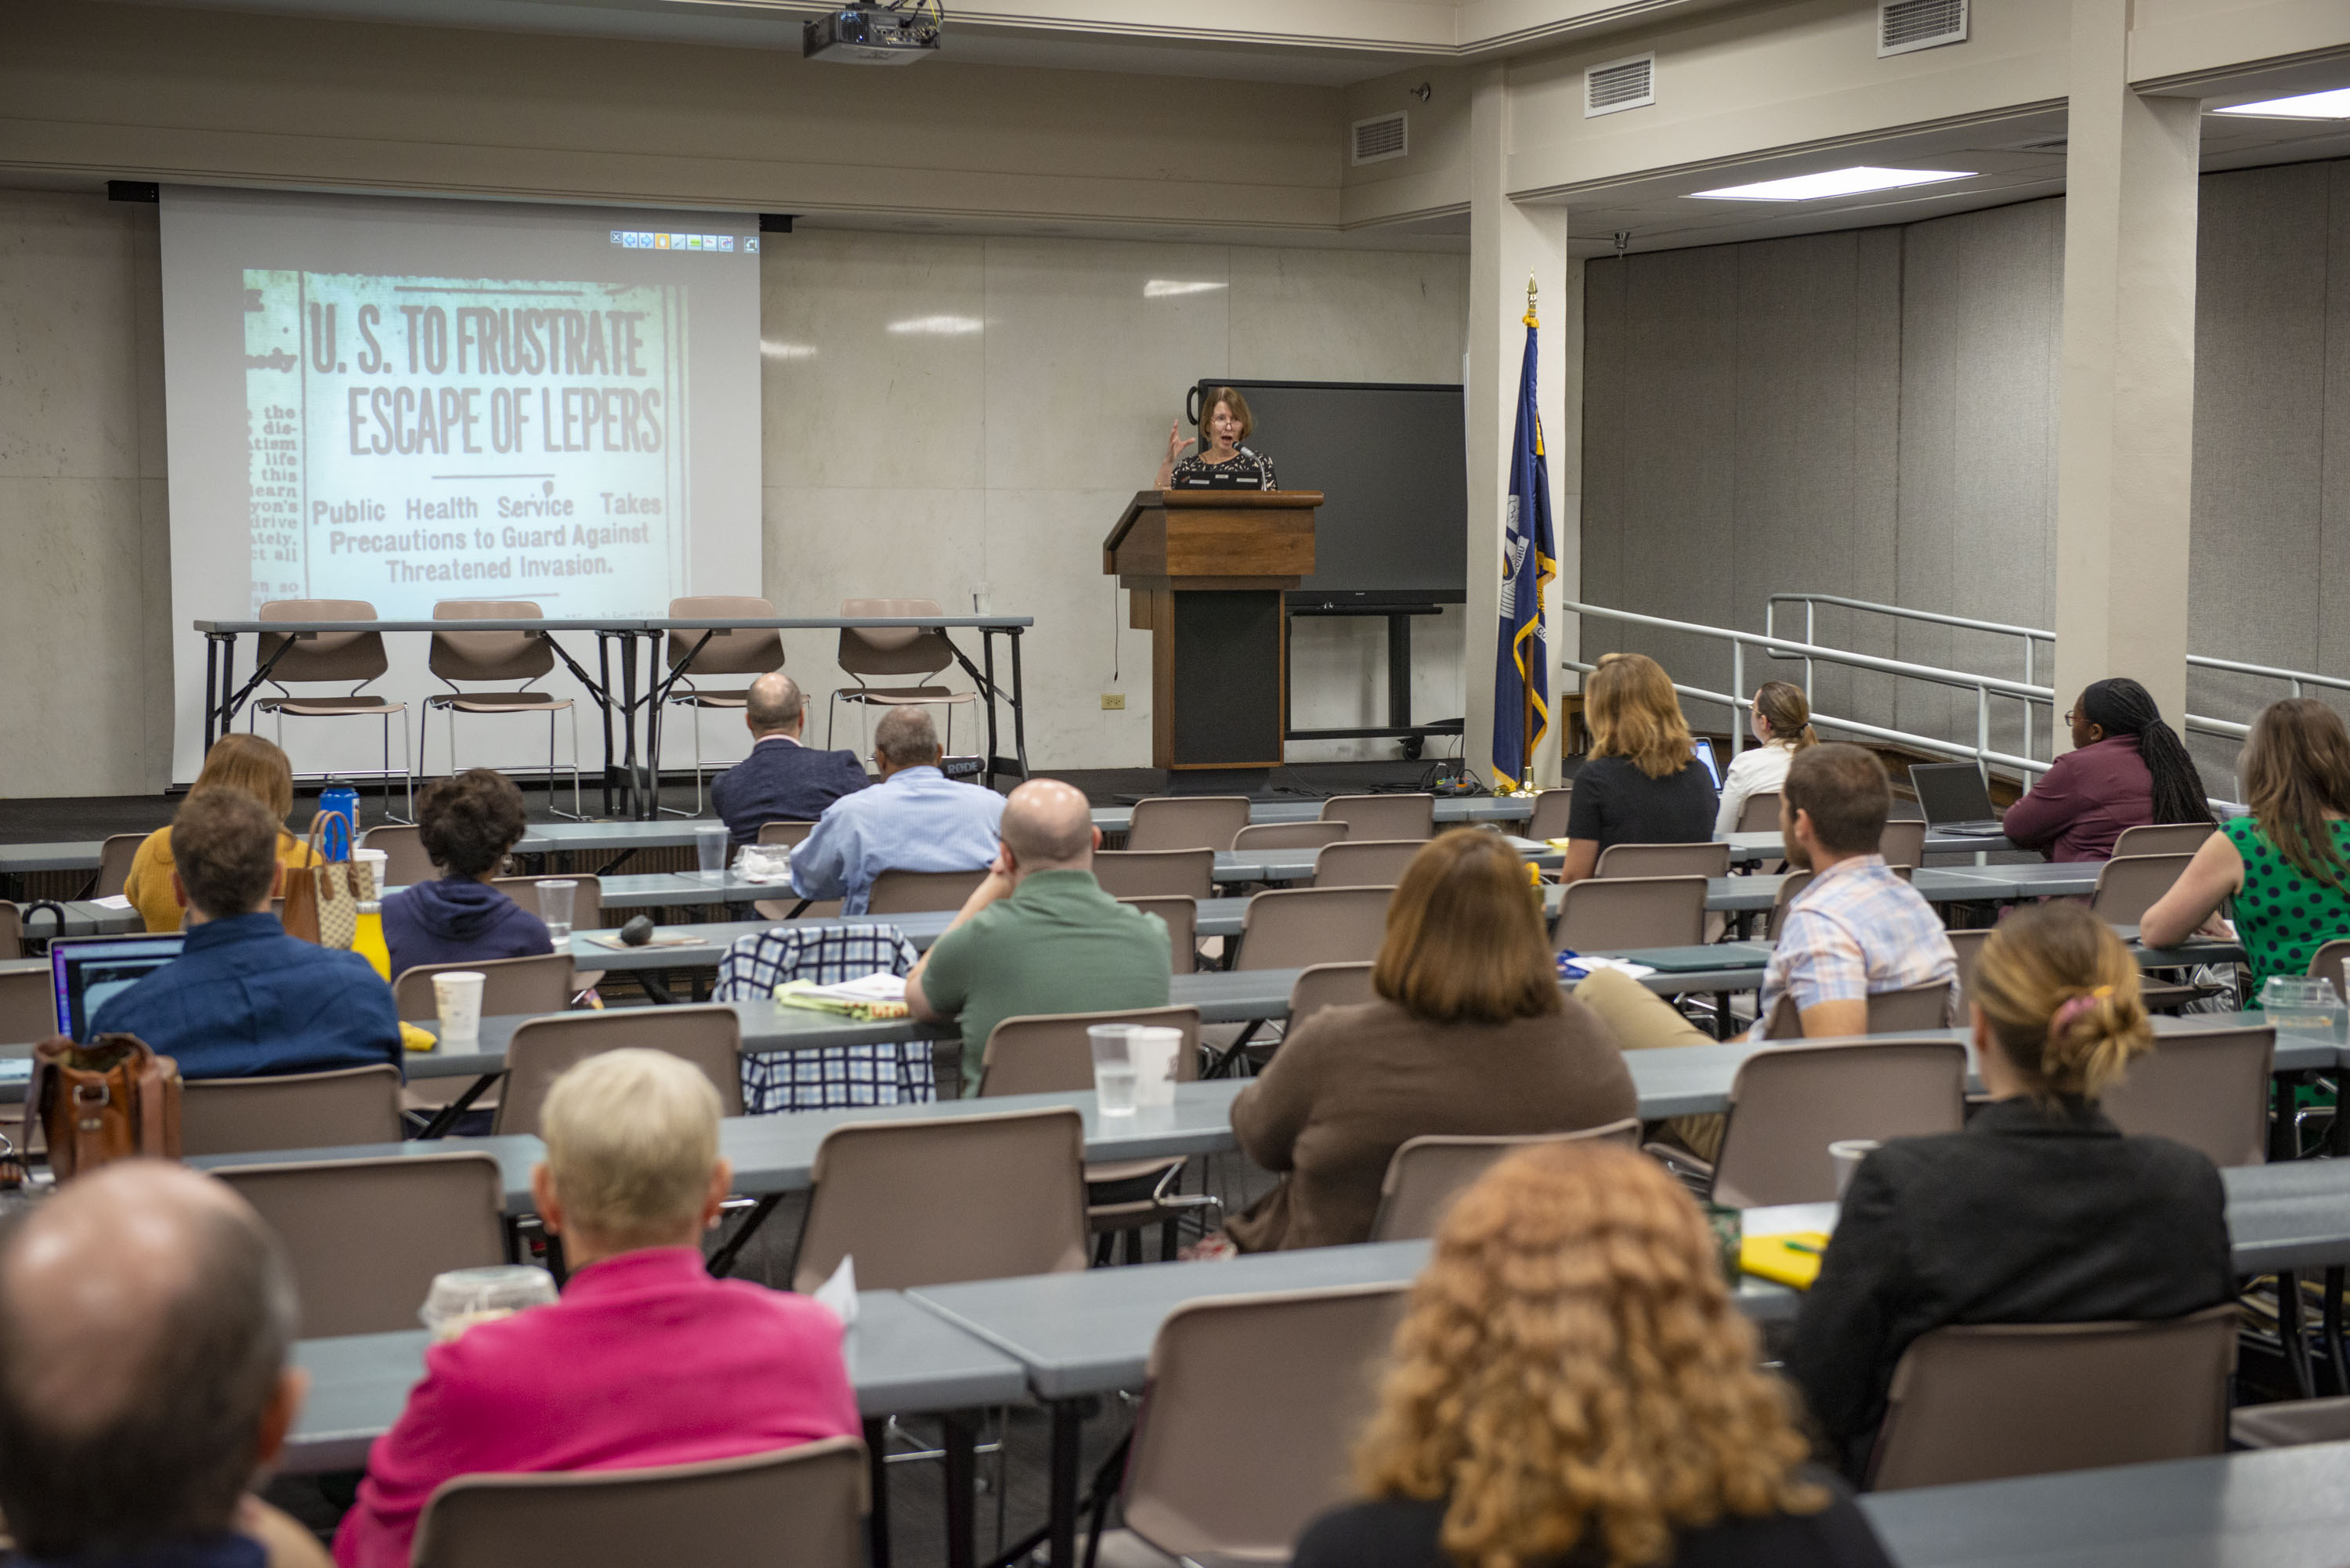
x=915, y=819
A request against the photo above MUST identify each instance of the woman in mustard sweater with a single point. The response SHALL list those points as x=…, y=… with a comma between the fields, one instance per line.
x=246, y=763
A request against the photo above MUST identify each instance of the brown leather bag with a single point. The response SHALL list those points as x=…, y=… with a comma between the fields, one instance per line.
x=107, y=1100
x=323, y=898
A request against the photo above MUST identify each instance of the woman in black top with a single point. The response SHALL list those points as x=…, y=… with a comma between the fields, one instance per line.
x=2040, y=1211
x=1224, y=464
x=1642, y=783
x=1573, y=1386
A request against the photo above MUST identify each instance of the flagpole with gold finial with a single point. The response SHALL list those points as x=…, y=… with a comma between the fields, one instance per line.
x=1531, y=287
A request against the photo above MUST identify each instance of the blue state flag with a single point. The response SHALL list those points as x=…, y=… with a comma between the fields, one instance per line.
x=1529, y=562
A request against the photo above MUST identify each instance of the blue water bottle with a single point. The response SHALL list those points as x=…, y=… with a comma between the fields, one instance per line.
x=340, y=799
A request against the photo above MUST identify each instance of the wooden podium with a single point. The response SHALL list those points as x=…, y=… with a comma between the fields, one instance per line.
x=1207, y=569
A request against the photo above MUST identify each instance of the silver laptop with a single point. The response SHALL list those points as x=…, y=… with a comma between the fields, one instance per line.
x=1954, y=799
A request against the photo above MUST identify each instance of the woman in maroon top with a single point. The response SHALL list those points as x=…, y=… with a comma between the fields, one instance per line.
x=2126, y=769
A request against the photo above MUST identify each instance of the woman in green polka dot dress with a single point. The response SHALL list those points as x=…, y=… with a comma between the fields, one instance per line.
x=2287, y=865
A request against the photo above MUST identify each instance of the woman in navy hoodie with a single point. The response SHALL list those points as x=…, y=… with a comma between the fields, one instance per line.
x=468, y=824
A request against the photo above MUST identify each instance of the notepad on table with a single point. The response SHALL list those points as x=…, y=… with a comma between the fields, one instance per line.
x=1790, y=1258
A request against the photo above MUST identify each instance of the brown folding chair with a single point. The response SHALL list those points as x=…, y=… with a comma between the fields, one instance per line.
x=1187, y=821
x=1610, y=914
x=945, y=1198
x=1924, y=1006
x=2163, y=838
x=895, y=650
x=1760, y=813
x=707, y=655
x=1548, y=819
x=367, y=1236
x=1383, y=815
x=801, y=1507
x=1788, y=1103
x=1968, y=945
x=1266, y=835
x=898, y=892
x=1364, y=863
x=1183, y=919
x=1050, y=1054
x=2208, y=1089
x=790, y=833
x=1427, y=1174
x=2129, y=886
x=709, y=1036
x=1903, y=844
x=298, y=1110
x=1325, y=985
x=541, y=983
x=1621, y=860
x=331, y=657
x=586, y=908
x=405, y=864
x=1157, y=873
x=114, y=858
x=1291, y=928
x=1983, y=1401
x=29, y=1007
x=12, y=930
x=487, y=656
x=1250, y=1405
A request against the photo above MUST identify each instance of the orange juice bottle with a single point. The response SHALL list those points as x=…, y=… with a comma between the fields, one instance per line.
x=367, y=940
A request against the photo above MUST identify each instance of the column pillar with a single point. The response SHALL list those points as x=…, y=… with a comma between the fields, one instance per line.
x=1508, y=242
x=2127, y=401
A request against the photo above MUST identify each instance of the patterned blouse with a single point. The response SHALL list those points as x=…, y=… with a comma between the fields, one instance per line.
x=1246, y=471
x=2283, y=917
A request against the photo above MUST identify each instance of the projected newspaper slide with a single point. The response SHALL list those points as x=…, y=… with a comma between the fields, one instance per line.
x=412, y=439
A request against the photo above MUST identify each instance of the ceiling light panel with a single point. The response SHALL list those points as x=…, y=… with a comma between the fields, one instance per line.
x=2331, y=104
x=1834, y=183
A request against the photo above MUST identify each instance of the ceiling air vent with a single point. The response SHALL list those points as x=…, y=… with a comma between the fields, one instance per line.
x=1906, y=24
x=1619, y=84
x=1379, y=140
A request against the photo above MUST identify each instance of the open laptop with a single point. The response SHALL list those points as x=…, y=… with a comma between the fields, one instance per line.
x=85, y=971
x=1705, y=755
x=1954, y=800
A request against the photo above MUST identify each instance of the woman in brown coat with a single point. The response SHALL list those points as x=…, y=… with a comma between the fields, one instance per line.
x=1471, y=1035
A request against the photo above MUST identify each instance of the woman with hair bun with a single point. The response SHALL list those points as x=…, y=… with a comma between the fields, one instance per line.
x=2041, y=1211
x=1781, y=720
x=1572, y=1385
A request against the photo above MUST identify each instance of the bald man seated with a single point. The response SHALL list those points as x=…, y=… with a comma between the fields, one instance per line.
x=1039, y=935
x=781, y=780
x=145, y=1318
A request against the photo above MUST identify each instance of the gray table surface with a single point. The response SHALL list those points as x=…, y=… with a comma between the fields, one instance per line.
x=618, y=623
x=2281, y=1508
x=902, y=1360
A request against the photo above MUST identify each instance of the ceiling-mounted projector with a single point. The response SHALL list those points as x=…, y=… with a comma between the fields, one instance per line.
x=874, y=35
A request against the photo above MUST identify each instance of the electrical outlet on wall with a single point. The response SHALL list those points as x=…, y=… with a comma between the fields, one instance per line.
x=1113, y=702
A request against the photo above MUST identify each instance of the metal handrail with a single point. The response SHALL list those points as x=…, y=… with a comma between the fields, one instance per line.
x=1983, y=686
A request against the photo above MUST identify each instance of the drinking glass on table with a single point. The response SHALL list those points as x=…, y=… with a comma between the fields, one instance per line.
x=555, y=898
x=1115, y=1073
x=711, y=844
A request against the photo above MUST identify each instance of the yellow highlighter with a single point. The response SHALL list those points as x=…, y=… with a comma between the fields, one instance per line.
x=1790, y=1258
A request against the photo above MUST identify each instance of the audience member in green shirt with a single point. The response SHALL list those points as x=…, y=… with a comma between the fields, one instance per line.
x=1039, y=935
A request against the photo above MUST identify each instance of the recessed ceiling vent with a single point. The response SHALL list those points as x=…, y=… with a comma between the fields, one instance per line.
x=1619, y=84
x=1906, y=24
x=1379, y=140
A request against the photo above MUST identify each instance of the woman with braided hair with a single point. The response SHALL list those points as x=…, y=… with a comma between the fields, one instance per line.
x=2126, y=769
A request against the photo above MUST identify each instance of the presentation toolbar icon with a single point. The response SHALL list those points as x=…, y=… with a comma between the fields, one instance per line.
x=653, y=240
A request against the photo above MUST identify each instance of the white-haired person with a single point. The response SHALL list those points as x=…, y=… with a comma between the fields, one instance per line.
x=646, y=1360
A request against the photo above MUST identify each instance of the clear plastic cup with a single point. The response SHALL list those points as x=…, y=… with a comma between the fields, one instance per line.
x=1153, y=1052
x=377, y=862
x=1114, y=1069
x=464, y=1297
x=709, y=845
x=457, y=994
x=1847, y=1153
x=555, y=897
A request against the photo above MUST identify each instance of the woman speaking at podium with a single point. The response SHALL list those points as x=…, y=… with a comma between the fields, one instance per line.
x=1224, y=464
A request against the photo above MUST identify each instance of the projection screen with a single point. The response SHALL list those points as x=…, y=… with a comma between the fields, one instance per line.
x=410, y=401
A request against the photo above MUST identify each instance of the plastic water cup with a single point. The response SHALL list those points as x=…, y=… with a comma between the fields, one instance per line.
x=554, y=898
x=457, y=994
x=379, y=864
x=711, y=844
x=1114, y=1070
x=1847, y=1153
x=464, y=1297
x=1153, y=1052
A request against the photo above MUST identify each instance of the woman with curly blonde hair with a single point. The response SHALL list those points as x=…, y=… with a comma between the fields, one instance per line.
x=1571, y=1385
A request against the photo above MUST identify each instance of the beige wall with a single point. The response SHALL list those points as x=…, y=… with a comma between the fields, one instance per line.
x=988, y=457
